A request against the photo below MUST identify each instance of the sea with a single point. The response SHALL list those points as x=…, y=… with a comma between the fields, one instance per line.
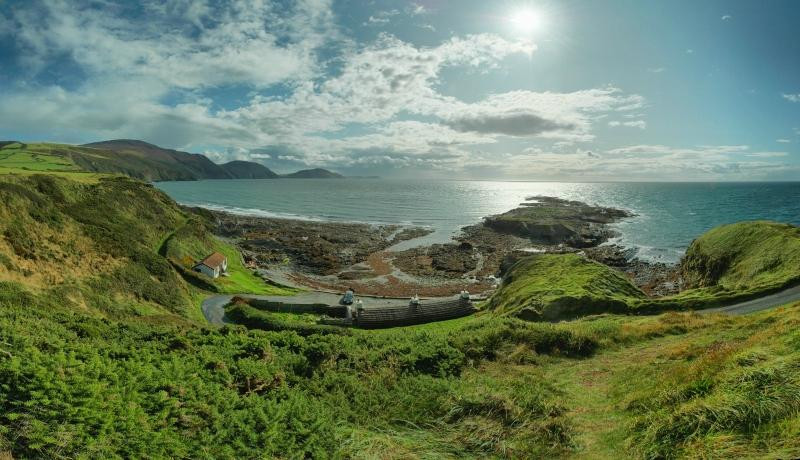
x=668, y=215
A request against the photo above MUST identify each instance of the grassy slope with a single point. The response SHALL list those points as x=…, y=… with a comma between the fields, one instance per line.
x=746, y=256
x=82, y=375
x=733, y=263
x=552, y=286
x=688, y=386
x=134, y=389
x=194, y=240
x=97, y=246
x=89, y=163
x=603, y=387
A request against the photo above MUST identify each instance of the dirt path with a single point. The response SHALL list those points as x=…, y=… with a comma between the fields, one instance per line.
x=594, y=391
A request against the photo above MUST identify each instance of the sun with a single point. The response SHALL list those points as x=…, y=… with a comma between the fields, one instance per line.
x=527, y=20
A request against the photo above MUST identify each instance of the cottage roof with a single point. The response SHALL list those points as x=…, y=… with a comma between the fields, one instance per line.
x=214, y=260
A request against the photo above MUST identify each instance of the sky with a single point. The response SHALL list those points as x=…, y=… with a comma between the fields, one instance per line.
x=627, y=90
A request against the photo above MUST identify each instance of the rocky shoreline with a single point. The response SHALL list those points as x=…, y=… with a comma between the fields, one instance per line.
x=336, y=256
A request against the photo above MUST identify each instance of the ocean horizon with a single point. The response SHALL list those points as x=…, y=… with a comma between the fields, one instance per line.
x=668, y=215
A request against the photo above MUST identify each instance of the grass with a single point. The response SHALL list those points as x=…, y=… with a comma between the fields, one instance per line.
x=93, y=245
x=23, y=160
x=14, y=156
x=105, y=357
x=160, y=389
x=745, y=256
x=555, y=286
x=728, y=264
x=241, y=280
x=193, y=241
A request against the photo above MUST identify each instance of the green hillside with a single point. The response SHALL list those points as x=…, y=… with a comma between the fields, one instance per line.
x=748, y=256
x=726, y=265
x=734, y=263
x=248, y=170
x=100, y=245
x=26, y=159
x=671, y=386
x=129, y=157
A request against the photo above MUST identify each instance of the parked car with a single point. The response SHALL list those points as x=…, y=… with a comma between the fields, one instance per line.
x=347, y=298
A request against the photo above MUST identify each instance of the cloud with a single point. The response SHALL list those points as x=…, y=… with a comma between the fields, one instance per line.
x=767, y=154
x=565, y=116
x=382, y=17
x=727, y=17
x=792, y=97
x=227, y=44
x=509, y=123
x=699, y=151
x=417, y=9
x=641, y=124
x=645, y=162
x=313, y=97
x=656, y=69
x=689, y=51
x=783, y=141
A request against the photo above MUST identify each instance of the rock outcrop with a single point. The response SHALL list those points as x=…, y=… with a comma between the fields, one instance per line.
x=553, y=221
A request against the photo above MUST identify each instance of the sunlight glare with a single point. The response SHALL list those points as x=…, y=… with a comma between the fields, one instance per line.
x=527, y=20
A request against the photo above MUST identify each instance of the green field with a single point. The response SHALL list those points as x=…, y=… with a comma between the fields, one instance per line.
x=21, y=159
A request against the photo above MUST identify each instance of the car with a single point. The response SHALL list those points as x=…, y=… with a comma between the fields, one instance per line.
x=347, y=298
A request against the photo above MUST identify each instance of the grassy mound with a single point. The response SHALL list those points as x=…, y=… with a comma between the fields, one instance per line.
x=728, y=264
x=557, y=286
x=746, y=256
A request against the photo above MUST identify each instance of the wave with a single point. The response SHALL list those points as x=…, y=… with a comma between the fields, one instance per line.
x=257, y=212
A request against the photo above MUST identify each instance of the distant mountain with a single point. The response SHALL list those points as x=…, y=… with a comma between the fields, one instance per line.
x=150, y=162
x=147, y=161
x=248, y=170
x=316, y=173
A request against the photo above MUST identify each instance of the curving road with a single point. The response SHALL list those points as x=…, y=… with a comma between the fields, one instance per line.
x=214, y=311
x=762, y=303
x=214, y=306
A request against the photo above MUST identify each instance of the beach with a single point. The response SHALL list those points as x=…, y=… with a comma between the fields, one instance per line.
x=371, y=260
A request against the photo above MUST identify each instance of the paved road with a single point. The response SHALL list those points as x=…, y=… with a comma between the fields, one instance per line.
x=214, y=306
x=214, y=311
x=762, y=303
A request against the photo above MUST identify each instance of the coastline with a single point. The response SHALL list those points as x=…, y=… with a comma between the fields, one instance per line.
x=370, y=258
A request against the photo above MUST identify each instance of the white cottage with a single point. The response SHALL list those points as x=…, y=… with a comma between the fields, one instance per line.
x=212, y=266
